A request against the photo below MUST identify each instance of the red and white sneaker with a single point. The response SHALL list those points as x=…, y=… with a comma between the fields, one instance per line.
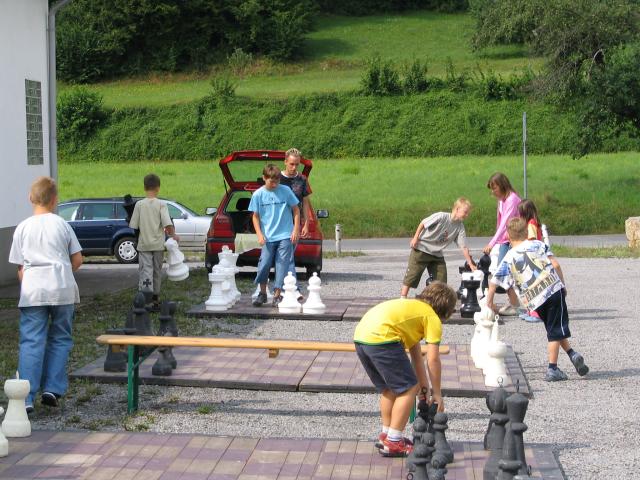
x=378, y=443
x=401, y=448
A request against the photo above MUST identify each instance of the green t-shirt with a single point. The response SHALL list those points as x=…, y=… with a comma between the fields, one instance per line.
x=150, y=216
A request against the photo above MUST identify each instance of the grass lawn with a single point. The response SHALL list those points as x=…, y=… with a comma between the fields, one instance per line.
x=387, y=197
x=334, y=57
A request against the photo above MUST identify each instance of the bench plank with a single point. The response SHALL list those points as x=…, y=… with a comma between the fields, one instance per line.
x=271, y=345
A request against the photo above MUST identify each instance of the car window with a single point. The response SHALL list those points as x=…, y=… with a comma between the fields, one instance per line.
x=174, y=212
x=121, y=213
x=239, y=202
x=96, y=211
x=69, y=211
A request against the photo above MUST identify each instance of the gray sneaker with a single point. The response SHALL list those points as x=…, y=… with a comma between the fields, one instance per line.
x=556, y=375
x=578, y=362
x=260, y=300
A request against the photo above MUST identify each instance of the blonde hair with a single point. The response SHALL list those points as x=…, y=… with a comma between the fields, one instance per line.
x=441, y=297
x=517, y=229
x=271, y=171
x=43, y=191
x=461, y=202
x=292, y=152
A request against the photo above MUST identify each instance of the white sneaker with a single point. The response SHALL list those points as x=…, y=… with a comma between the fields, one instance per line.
x=508, y=311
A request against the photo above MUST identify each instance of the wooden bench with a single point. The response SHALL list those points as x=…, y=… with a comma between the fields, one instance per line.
x=134, y=344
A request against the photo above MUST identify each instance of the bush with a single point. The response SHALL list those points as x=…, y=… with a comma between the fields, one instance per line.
x=368, y=7
x=223, y=86
x=79, y=114
x=239, y=62
x=415, y=78
x=380, y=78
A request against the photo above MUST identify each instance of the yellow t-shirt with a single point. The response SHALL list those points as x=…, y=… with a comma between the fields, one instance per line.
x=403, y=320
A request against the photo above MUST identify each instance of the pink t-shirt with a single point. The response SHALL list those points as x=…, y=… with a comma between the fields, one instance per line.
x=507, y=209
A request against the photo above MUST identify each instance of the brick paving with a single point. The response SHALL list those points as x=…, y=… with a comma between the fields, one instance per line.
x=96, y=456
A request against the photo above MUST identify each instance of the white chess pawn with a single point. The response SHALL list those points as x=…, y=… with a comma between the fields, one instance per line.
x=314, y=303
x=4, y=443
x=289, y=303
x=16, y=422
x=217, y=301
x=495, y=369
x=177, y=269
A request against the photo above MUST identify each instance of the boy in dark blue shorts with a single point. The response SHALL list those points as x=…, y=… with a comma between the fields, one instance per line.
x=532, y=270
x=382, y=336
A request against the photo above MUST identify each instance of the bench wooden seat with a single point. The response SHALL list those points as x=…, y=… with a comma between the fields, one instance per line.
x=135, y=344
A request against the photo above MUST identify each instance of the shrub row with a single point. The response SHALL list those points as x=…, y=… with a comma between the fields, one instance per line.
x=367, y=7
x=335, y=125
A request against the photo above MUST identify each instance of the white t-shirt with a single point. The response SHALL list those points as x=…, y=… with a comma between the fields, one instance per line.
x=43, y=244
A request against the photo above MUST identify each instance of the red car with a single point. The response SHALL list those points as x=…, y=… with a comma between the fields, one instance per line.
x=242, y=172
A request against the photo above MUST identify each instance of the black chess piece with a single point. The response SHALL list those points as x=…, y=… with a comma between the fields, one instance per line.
x=163, y=366
x=168, y=327
x=470, y=305
x=494, y=438
x=517, y=405
x=422, y=453
x=419, y=430
x=140, y=319
x=460, y=292
x=116, y=359
x=483, y=265
x=427, y=413
x=442, y=446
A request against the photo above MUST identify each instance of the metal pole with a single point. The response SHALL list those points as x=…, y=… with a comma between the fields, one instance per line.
x=524, y=150
x=338, y=239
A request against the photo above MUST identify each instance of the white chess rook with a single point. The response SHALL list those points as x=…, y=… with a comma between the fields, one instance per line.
x=4, y=443
x=314, y=304
x=495, y=369
x=177, y=269
x=217, y=301
x=16, y=422
x=289, y=303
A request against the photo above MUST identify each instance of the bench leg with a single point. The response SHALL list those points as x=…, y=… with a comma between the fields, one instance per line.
x=133, y=378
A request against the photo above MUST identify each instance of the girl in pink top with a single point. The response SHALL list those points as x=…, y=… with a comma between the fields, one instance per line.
x=508, y=201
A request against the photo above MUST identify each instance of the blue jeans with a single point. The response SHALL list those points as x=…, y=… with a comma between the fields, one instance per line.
x=45, y=347
x=502, y=251
x=281, y=252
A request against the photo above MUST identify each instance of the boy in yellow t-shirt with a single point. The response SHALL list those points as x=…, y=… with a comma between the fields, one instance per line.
x=382, y=336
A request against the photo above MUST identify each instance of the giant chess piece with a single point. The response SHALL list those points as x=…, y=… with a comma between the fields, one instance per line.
x=461, y=292
x=217, y=301
x=4, y=443
x=140, y=316
x=478, y=276
x=485, y=314
x=470, y=305
x=177, y=270
x=163, y=366
x=314, y=303
x=481, y=347
x=116, y=359
x=289, y=303
x=495, y=369
x=421, y=457
x=16, y=422
x=483, y=265
x=427, y=413
x=442, y=446
x=228, y=260
x=517, y=405
x=494, y=437
x=419, y=430
x=168, y=327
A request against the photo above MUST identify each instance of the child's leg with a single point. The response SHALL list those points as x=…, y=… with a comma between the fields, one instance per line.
x=145, y=272
x=59, y=343
x=33, y=336
x=283, y=257
x=415, y=268
x=264, y=264
x=402, y=406
x=552, y=351
x=157, y=257
x=437, y=269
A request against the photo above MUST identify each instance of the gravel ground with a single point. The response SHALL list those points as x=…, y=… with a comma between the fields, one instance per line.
x=591, y=422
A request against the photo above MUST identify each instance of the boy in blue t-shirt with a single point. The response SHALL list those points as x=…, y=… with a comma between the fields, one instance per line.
x=276, y=219
x=536, y=275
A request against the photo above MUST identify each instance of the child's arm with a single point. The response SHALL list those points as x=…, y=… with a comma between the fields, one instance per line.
x=76, y=261
x=171, y=231
x=20, y=273
x=305, y=215
x=416, y=236
x=490, y=295
x=255, y=219
x=418, y=366
x=557, y=268
x=467, y=256
x=296, y=224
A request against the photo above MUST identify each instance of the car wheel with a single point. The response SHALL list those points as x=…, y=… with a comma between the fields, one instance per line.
x=125, y=250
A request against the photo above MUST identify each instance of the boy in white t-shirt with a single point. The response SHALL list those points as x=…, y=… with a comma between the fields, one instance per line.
x=47, y=252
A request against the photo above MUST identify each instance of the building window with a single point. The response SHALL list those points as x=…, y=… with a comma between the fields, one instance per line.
x=33, y=93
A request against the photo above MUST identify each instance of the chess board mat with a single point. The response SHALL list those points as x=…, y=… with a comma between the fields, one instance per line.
x=338, y=309
x=295, y=370
x=152, y=456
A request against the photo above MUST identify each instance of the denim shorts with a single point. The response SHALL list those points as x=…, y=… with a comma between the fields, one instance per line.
x=388, y=366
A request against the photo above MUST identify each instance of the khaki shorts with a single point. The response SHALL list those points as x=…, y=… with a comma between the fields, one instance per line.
x=418, y=262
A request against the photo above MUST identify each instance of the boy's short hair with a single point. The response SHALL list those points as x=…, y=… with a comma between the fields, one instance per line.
x=151, y=182
x=461, y=202
x=292, y=152
x=271, y=171
x=517, y=229
x=441, y=297
x=43, y=191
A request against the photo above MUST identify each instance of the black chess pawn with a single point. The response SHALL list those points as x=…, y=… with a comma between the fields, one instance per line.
x=517, y=405
x=162, y=367
x=116, y=359
x=494, y=438
x=168, y=327
x=422, y=453
x=442, y=446
x=141, y=319
x=419, y=430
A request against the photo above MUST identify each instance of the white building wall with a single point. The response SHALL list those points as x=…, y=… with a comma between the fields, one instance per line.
x=23, y=55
